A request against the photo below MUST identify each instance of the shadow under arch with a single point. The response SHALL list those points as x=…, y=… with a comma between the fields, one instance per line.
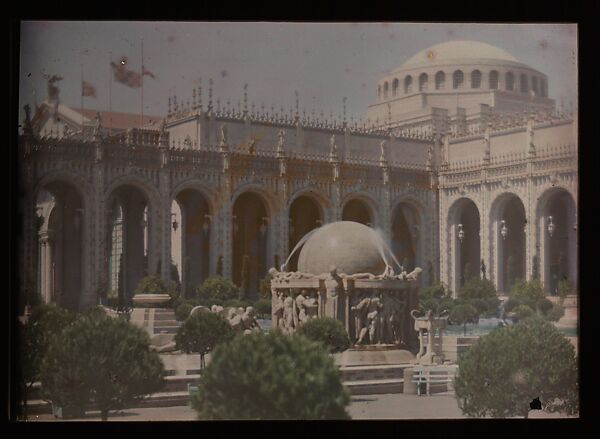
x=464, y=222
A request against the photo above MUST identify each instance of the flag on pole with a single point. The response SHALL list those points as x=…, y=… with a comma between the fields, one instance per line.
x=88, y=89
x=124, y=76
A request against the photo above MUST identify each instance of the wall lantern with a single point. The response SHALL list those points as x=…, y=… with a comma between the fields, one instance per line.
x=504, y=229
x=461, y=233
x=550, y=226
x=174, y=224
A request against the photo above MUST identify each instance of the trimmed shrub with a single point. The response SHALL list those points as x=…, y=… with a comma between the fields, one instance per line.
x=555, y=313
x=476, y=288
x=463, y=314
x=153, y=285
x=543, y=306
x=201, y=332
x=527, y=293
x=45, y=323
x=103, y=360
x=522, y=312
x=436, y=291
x=564, y=289
x=511, y=304
x=217, y=288
x=182, y=312
x=263, y=307
x=500, y=374
x=271, y=376
x=327, y=331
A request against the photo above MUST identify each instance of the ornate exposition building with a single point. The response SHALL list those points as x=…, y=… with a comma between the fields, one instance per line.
x=465, y=165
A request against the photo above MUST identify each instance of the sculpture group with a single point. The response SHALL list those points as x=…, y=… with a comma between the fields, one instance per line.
x=241, y=320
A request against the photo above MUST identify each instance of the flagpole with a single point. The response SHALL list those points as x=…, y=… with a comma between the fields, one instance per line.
x=110, y=97
x=142, y=119
x=82, y=134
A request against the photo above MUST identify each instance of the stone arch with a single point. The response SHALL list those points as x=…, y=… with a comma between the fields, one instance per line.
x=464, y=214
x=508, y=239
x=305, y=213
x=371, y=207
x=559, y=203
x=133, y=241
x=407, y=233
x=395, y=85
x=199, y=186
x=192, y=211
x=252, y=237
x=61, y=252
x=440, y=80
x=321, y=199
x=272, y=204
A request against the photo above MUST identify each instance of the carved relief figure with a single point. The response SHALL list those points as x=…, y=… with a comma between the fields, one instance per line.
x=288, y=316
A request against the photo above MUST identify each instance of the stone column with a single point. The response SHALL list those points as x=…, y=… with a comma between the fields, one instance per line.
x=165, y=224
x=98, y=245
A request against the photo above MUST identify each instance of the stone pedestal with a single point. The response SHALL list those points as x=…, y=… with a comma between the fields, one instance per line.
x=409, y=388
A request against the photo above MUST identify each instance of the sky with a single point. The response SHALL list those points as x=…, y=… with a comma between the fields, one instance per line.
x=324, y=62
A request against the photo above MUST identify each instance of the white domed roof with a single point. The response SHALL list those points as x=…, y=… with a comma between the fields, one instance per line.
x=458, y=50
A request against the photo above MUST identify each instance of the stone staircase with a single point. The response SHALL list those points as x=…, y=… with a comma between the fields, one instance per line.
x=373, y=380
x=164, y=321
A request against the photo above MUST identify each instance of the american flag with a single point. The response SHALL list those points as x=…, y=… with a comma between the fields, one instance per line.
x=88, y=89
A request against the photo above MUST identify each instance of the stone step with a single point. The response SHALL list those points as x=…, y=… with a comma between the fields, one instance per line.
x=179, y=383
x=166, y=330
x=161, y=323
x=375, y=387
x=387, y=371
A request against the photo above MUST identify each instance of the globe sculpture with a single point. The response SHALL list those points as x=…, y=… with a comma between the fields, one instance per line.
x=346, y=271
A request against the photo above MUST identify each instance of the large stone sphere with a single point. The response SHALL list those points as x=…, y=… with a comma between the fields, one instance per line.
x=350, y=247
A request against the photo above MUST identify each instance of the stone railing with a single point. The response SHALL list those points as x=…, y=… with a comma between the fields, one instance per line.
x=544, y=160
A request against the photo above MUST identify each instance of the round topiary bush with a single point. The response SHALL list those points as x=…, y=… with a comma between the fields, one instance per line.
x=527, y=293
x=505, y=370
x=463, y=314
x=476, y=288
x=216, y=287
x=271, y=376
x=45, y=323
x=327, y=331
x=522, y=312
x=182, y=312
x=544, y=306
x=103, y=360
x=201, y=332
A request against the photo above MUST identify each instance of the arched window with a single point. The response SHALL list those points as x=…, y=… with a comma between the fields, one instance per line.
x=534, y=85
x=475, y=79
x=510, y=81
x=440, y=80
x=395, y=85
x=494, y=80
x=457, y=79
x=423, y=80
x=408, y=84
x=385, y=90
x=524, y=83
x=543, y=88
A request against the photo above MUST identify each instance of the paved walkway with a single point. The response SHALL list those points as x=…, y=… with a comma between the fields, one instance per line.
x=390, y=406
